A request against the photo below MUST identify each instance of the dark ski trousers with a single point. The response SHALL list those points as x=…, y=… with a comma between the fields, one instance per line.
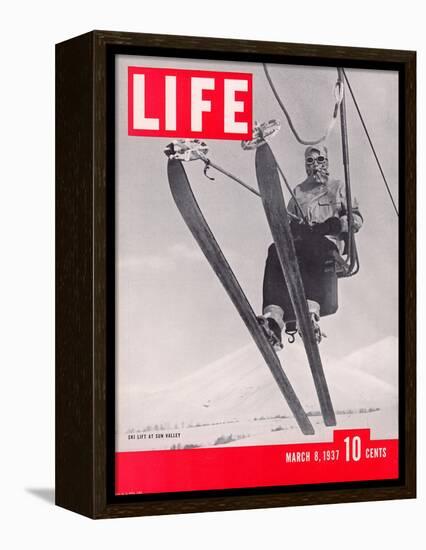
x=317, y=268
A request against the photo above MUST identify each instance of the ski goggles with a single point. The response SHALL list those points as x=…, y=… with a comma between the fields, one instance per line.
x=320, y=160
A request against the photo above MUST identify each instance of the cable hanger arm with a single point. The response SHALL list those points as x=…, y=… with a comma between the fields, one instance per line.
x=370, y=141
x=338, y=94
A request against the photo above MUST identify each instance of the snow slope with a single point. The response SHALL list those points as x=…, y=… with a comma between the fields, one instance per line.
x=239, y=389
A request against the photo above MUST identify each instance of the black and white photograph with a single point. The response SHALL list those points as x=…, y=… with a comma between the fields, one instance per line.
x=291, y=332
x=212, y=235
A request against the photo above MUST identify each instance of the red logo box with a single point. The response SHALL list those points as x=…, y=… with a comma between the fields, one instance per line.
x=189, y=103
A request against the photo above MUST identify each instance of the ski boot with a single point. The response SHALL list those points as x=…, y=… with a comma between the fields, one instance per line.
x=319, y=334
x=186, y=150
x=272, y=331
x=272, y=324
x=314, y=312
x=261, y=133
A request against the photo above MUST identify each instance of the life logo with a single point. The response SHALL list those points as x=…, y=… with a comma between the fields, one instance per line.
x=189, y=103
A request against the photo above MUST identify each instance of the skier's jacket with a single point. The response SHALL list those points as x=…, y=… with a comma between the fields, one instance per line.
x=319, y=202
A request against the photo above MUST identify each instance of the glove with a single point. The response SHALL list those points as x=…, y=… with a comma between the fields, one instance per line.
x=300, y=230
x=331, y=226
x=356, y=223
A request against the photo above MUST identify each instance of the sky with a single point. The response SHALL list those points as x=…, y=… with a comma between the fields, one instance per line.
x=173, y=315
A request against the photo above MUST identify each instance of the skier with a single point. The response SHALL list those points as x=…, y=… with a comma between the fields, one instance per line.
x=319, y=225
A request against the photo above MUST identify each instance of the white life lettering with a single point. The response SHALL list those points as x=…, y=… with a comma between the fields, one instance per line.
x=140, y=121
x=198, y=104
x=170, y=103
x=232, y=106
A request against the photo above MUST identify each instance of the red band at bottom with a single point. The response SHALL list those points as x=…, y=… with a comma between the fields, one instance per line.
x=351, y=456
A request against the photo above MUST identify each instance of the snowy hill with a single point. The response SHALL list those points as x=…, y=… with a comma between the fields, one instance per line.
x=239, y=388
x=378, y=359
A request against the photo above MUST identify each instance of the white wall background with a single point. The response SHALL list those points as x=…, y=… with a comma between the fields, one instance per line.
x=29, y=31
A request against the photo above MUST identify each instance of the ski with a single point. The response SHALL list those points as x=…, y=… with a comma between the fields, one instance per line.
x=276, y=213
x=194, y=219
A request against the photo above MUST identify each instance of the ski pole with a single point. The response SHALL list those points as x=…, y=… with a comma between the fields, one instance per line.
x=223, y=171
x=254, y=191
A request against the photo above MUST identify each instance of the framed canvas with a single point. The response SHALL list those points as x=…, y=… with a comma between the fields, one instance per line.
x=235, y=280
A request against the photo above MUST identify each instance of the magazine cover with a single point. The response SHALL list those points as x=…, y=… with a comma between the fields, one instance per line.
x=256, y=244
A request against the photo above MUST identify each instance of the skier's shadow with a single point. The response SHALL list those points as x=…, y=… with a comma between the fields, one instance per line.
x=45, y=493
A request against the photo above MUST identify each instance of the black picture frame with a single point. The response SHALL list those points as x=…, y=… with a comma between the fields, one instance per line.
x=85, y=260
